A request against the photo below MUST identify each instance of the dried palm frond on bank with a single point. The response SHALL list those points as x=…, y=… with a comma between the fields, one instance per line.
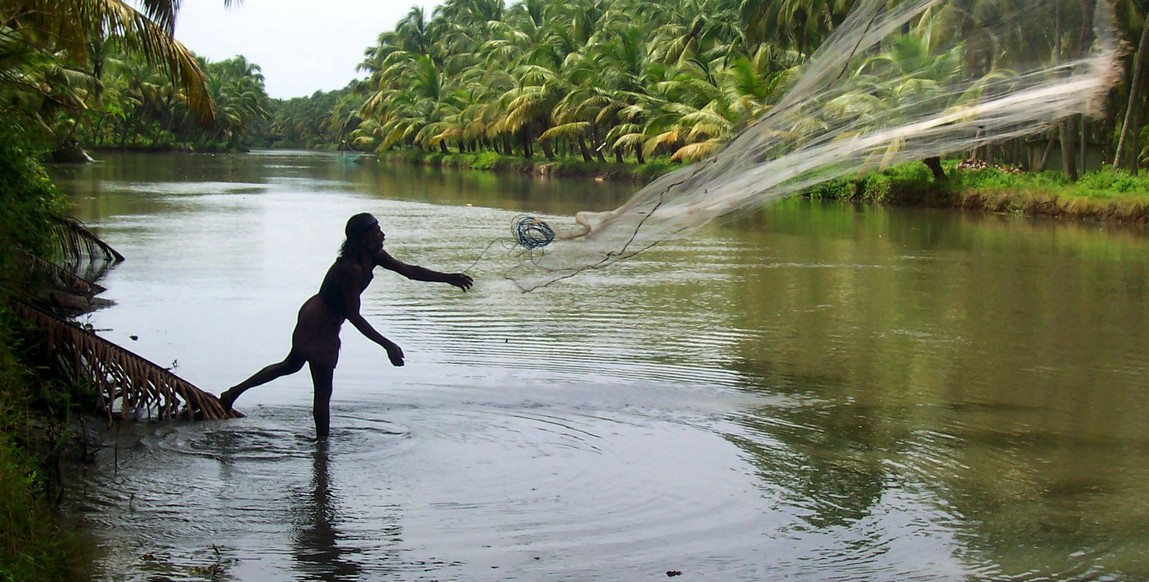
x=76, y=242
x=57, y=276
x=127, y=385
x=53, y=288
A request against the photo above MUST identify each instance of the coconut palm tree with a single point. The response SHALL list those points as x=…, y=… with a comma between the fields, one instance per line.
x=71, y=27
x=237, y=89
x=799, y=24
x=1138, y=88
x=51, y=51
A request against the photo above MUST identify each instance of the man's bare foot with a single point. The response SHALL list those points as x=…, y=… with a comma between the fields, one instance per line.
x=227, y=398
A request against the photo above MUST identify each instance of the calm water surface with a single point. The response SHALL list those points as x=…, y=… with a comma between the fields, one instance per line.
x=812, y=393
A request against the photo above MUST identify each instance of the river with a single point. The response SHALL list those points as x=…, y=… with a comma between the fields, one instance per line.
x=813, y=392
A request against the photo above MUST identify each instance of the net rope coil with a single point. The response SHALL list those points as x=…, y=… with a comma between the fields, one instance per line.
x=530, y=233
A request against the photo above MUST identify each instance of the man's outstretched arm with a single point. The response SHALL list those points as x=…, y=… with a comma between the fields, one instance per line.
x=417, y=273
x=351, y=305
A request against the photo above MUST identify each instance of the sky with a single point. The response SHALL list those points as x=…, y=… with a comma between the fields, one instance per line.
x=301, y=46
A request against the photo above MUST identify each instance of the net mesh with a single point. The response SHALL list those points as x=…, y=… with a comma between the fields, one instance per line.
x=895, y=82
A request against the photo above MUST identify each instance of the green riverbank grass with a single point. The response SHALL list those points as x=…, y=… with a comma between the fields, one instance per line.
x=1100, y=195
x=1097, y=195
x=561, y=167
x=32, y=545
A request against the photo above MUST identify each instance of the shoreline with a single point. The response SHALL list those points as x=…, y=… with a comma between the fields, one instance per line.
x=909, y=185
x=984, y=188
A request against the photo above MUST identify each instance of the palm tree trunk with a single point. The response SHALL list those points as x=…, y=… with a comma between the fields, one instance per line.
x=1040, y=166
x=935, y=166
x=1136, y=102
x=525, y=141
x=595, y=143
x=583, y=149
x=1066, y=130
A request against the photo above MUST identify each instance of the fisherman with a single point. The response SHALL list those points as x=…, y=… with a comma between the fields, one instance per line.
x=315, y=340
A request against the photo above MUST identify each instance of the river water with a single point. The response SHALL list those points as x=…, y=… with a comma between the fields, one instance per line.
x=815, y=392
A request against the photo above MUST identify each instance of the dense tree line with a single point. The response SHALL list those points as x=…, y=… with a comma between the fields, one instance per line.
x=631, y=79
x=315, y=122
x=138, y=106
x=617, y=80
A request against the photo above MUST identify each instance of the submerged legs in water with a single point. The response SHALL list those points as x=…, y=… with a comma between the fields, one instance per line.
x=321, y=378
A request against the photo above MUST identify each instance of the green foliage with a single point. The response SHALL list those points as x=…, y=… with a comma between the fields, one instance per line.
x=653, y=169
x=495, y=162
x=139, y=108
x=911, y=176
x=1106, y=182
x=322, y=120
x=903, y=182
x=28, y=198
x=31, y=547
x=993, y=178
x=448, y=159
x=487, y=161
x=877, y=188
x=840, y=189
x=1104, y=194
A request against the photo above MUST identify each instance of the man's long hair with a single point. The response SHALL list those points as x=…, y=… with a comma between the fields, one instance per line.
x=357, y=226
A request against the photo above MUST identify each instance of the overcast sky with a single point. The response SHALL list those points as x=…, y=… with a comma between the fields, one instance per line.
x=302, y=46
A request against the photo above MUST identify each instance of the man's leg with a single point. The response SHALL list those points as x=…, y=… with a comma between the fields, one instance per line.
x=322, y=376
x=290, y=365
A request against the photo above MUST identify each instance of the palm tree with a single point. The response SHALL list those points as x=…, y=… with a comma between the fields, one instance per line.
x=621, y=61
x=237, y=89
x=1127, y=142
x=800, y=24
x=52, y=50
x=753, y=81
x=34, y=83
x=72, y=26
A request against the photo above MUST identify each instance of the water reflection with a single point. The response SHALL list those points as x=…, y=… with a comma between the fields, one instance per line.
x=321, y=550
x=816, y=392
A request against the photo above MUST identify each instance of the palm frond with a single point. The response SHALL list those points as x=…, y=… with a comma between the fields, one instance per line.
x=696, y=151
x=76, y=242
x=572, y=130
x=71, y=25
x=56, y=276
x=127, y=385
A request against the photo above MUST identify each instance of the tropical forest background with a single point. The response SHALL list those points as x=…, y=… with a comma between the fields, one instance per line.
x=625, y=81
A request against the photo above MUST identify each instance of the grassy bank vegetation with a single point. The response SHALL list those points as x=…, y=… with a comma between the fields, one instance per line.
x=560, y=168
x=1098, y=195
x=32, y=545
x=1105, y=194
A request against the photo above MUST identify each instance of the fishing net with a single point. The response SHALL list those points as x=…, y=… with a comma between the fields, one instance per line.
x=895, y=82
